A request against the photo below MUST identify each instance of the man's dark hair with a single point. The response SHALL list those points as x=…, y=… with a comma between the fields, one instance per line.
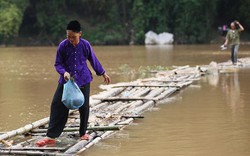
x=74, y=26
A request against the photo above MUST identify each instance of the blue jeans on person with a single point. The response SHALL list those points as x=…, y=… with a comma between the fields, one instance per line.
x=234, y=52
x=59, y=113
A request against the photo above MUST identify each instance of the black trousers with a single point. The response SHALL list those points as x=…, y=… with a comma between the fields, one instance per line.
x=59, y=113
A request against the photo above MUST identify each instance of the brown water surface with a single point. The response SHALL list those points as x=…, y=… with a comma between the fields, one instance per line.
x=210, y=117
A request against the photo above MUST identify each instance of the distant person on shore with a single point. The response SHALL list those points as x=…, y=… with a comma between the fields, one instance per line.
x=72, y=54
x=233, y=37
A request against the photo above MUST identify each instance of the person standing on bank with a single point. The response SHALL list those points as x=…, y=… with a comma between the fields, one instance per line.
x=71, y=57
x=233, y=37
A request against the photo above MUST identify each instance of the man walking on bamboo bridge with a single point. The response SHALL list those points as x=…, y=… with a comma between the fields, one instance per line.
x=71, y=57
x=233, y=37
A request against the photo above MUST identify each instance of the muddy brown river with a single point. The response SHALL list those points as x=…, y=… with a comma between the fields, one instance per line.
x=209, y=118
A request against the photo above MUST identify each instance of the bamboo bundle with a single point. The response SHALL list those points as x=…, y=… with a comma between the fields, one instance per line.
x=113, y=106
x=105, y=94
x=101, y=105
x=128, y=92
x=123, y=106
x=118, y=110
x=141, y=92
x=142, y=108
x=148, y=104
x=166, y=93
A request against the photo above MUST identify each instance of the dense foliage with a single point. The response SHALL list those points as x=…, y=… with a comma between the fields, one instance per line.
x=43, y=22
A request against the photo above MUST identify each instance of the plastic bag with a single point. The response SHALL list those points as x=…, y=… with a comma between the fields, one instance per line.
x=72, y=96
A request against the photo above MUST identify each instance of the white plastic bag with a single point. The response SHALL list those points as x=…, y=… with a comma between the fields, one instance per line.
x=72, y=96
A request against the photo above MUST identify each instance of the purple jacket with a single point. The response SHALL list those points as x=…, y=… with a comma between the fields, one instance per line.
x=73, y=60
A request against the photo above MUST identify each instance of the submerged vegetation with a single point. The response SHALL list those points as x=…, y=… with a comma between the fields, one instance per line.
x=141, y=72
x=112, y=22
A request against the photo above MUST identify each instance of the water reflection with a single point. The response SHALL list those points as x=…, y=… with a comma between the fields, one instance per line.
x=228, y=80
x=231, y=87
x=161, y=54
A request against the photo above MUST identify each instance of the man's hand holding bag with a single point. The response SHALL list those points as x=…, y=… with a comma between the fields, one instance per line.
x=72, y=96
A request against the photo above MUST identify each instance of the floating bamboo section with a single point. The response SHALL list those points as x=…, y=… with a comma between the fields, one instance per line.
x=110, y=111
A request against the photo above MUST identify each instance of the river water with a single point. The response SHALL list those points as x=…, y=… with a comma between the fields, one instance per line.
x=210, y=117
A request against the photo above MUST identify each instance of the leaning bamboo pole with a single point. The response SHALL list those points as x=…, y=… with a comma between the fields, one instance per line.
x=24, y=129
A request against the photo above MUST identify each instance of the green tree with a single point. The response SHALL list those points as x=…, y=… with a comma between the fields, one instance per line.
x=194, y=20
x=11, y=14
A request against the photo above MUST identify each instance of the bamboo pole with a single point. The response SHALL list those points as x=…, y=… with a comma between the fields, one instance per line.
x=166, y=93
x=138, y=85
x=96, y=128
x=168, y=81
x=135, y=116
x=32, y=153
x=126, y=98
x=78, y=146
x=126, y=122
x=35, y=148
x=142, y=108
x=24, y=129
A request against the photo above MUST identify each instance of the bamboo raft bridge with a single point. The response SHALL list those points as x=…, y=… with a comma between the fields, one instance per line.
x=110, y=111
